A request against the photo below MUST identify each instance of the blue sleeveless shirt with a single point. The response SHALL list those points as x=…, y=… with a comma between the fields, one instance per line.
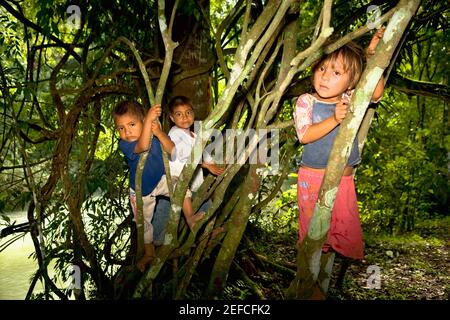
x=316, y=154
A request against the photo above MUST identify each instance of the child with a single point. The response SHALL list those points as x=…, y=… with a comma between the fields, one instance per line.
x=182, y=115
x=135, y=130
x=317, y=117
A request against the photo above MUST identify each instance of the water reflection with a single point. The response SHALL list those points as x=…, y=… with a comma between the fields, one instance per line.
x=16, y=265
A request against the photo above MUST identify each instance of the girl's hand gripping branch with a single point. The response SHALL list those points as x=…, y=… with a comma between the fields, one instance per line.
x=341, y=108
x=154, y=113
x=370, y=51
x=374, y=42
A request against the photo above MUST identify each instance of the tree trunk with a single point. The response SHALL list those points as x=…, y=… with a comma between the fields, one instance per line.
x=194, y=61
x=234, y=231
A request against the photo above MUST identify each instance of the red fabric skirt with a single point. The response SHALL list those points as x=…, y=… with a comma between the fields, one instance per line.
x=345, y=233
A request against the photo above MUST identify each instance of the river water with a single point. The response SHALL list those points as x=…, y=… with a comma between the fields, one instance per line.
x=16, y=265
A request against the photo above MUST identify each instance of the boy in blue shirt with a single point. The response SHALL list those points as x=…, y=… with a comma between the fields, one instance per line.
x=135, y=129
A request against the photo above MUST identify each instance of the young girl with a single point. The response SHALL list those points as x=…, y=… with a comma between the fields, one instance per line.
x=182, y=115
x=317, y=118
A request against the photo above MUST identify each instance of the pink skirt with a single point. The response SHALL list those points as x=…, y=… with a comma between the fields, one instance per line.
x=345, y=233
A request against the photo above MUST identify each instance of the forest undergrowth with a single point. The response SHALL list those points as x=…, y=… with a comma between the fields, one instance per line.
x=411, y=266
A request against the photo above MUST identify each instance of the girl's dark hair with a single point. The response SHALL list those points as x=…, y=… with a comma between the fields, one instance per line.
x=179, y=101
x=352, y=57
x=132, y=107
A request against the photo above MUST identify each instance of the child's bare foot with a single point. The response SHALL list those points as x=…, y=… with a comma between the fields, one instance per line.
x=149, y=256
x=317, y=294
x=191, y=221
x=144, y=262
x=216, y=232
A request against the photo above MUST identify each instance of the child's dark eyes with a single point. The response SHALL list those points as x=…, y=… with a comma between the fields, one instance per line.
x=335, y=72
x=187, y=114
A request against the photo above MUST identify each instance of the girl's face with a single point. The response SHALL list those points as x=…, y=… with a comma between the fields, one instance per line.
x=129, y=127
x=330, y=80
x=183, y=116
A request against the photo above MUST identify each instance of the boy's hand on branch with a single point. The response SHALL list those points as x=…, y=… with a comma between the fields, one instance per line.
x=374, y=42
x=156, y=128
x=154, y=112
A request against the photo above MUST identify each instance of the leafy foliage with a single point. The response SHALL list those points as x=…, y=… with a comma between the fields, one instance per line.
x=403, y=180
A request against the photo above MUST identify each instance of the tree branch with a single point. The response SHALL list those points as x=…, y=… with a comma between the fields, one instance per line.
x=416, y=87
x=34, y=26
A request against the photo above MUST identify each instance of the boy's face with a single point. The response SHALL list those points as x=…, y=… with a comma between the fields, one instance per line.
x=129, y=127
x=183, y=116
x=331, y=80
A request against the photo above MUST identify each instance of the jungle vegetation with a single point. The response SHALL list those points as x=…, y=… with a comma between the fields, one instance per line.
x=66, y=64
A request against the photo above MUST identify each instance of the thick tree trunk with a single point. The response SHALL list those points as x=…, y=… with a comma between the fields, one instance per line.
x=234, y=231
x=193, y=60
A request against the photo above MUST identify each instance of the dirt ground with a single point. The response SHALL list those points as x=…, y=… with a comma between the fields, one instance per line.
x=413, y=266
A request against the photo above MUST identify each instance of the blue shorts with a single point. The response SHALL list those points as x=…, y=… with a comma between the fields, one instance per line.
x=161, y=217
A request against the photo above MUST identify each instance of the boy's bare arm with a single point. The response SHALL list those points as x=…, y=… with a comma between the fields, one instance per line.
x=144, y=140
x=166, y=143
